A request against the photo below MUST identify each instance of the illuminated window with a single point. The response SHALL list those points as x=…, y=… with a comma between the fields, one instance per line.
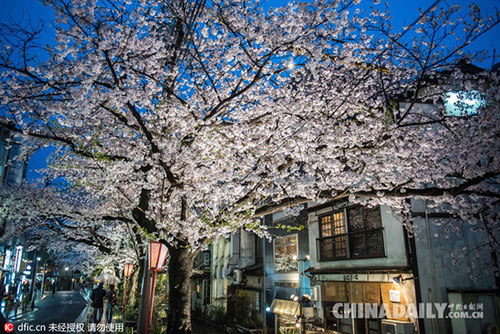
x=355, y=232
x=463, y=103
x=285, y=254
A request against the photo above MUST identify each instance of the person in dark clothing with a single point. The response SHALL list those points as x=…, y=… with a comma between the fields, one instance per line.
x=53, y=288
x=97, y=298
x=26, y=295
x=2, y=290
x=111, y=302
x=10, y=302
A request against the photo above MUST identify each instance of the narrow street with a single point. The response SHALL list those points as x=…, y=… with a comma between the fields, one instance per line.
x=62, y=308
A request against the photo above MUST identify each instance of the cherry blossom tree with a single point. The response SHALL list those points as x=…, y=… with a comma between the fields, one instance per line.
x=80, y=239
x=182, y=121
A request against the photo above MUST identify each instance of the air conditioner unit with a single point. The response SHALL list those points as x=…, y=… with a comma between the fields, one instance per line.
x=397, y=327
x=238, y=276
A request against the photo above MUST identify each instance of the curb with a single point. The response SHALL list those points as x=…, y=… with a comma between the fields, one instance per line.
x=82, y=318
x=83, y=315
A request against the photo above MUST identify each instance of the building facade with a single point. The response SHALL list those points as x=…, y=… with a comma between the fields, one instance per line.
x=318, y=265
x=357, y=255
x=455, y=267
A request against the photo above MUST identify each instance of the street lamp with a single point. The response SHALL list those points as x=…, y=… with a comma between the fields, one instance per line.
x=157, y=254
x=127, y=272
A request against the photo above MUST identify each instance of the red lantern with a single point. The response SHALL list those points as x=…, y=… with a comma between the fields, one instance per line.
x=127, y=270
x=157, y=255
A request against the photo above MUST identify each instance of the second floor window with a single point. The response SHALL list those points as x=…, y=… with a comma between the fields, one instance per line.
x=351, y=233
x=285, y=253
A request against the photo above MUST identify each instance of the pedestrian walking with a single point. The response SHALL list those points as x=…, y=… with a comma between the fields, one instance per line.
x=53, y=288
x=10, y=300
x=2, y=290
x=111, y=302
x=97, y=298
x=26, y=294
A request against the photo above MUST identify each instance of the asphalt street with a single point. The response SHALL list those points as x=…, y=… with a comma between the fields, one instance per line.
x=62, y=309
x=56, y=314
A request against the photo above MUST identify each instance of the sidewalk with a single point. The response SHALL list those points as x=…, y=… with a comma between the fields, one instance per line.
x=54, y=313
x=17, y=311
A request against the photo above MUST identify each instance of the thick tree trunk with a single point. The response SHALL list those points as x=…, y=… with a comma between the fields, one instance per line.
x=180, y=268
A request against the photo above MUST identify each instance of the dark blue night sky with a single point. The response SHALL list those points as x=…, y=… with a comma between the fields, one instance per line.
x=404, y=12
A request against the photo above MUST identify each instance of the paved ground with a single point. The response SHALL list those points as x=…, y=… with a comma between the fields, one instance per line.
x=62, y=308
x=65, y=307
x=202, y=328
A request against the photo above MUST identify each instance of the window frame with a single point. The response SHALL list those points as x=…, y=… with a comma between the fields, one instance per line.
x=348, y=234
x=281, y=272
x=333, y=236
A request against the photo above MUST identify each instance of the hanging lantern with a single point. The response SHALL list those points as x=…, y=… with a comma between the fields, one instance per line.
x=127, y=270
x=157, y=255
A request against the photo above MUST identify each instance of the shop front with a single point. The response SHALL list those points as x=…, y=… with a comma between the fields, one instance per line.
x=287, y=316
x=363, y=307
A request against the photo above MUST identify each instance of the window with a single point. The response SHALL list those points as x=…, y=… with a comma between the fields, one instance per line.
x=285, y=249
x=333, y=236
x=355, y=232
x=463, y=103
x=15, y=168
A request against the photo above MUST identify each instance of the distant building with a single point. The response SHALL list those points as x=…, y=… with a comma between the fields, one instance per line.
x=237, y=279
x=201, y=283
x=12, y=170
x=15, y=263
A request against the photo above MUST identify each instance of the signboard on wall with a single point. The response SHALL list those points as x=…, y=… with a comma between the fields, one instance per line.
x=395, y=296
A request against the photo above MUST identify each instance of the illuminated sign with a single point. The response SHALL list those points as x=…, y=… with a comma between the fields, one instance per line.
x=17, y=258
x=8, y=259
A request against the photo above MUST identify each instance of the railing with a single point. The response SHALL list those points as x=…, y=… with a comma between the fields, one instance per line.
x=327, y=250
